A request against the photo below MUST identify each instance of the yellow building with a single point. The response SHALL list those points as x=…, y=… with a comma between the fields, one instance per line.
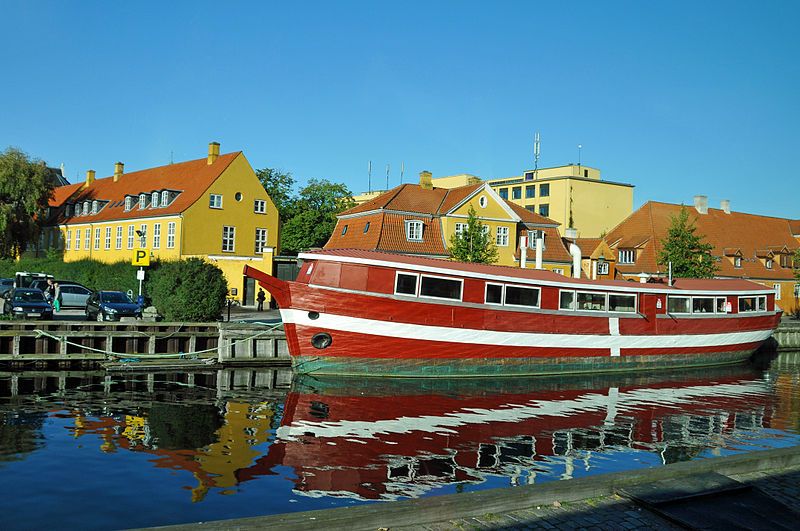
x=573, y=195
x=213, y=208
x=421, y=220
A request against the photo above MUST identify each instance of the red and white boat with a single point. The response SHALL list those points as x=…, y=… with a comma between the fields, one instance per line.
x=369, y=313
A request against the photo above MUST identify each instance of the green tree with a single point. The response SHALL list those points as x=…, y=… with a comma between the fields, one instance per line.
x=25, y=191
x=311, y=217
x=474, y=244
x=188, y=290
x=279, y=185
x=689, y=253
x=796, y=263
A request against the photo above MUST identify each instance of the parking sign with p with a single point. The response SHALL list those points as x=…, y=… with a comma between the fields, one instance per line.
x=141, y=257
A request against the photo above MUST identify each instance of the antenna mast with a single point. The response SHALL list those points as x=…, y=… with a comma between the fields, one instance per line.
x=536, y=146
x=369, y=177
x=387, y=176
x=402, y=167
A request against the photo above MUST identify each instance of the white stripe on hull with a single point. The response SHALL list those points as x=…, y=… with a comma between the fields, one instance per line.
x=517, y=339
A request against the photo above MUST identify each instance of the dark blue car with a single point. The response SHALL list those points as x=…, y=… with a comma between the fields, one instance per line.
x=111, y=306
x=26, y=303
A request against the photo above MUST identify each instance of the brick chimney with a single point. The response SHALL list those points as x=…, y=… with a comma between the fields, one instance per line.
x=725, y=205
x=701, y=204
x=213, y=152
x=425, y=180
x=89, y=178
x=119, y=168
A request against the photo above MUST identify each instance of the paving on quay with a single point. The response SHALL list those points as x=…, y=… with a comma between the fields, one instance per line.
x=586, y=503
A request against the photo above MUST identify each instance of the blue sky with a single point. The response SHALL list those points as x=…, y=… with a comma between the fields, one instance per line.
x=678, y=98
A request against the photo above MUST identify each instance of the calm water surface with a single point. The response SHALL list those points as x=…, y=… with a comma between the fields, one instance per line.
x=83, y=450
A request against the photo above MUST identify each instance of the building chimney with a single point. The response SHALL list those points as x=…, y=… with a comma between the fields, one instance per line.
x=118, y=170
x=89, y=178
x=213, y=152
x=725, y=205
x=425, y=180
x=701, y=204
x=571, y=233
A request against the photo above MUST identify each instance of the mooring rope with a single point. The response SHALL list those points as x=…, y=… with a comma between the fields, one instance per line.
x=109, y=353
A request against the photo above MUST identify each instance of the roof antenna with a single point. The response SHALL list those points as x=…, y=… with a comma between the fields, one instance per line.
x=170, y=156
x=402, y=167
x=536, y=146
x=369, y=177
x=580, y=146
x=387, y=176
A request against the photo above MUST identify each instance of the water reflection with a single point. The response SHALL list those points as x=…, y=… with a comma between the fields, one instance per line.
x=318, y=442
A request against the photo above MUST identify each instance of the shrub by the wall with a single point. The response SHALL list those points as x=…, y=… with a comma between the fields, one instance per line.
x=188, y=290
x=118, y=276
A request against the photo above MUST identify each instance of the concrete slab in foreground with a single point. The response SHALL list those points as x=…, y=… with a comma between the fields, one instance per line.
x=589, y=502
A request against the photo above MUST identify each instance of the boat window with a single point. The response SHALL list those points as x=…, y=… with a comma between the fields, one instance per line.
x=494, y=293
x=762, y=303
x=567, y=300
x=519, y=296
x=440, y=288
x=748, y=304
x=702, y=305
x=405, y=284
x=722, y=305
x=595, y=302
x=621, y=303
x=678, y=304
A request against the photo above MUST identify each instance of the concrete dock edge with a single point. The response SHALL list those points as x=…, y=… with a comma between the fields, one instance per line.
x=441, y=508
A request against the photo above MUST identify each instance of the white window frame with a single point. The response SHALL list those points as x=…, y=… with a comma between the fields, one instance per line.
x=78, y=239
x=777, y=287
x=164, y=198
x=171, y=235
x=688, y=312
x=502, y=293
x=87, y=239
x=69, y=239
x=230, y=239
x=94, y=206
x=128, y=203
x=131, y=235
x=502, y=237
x=261, y=240
x=154, y=196
x=156, y=235
x=737, y=262
x=86, y=207
x=460, y=228
x=635, y=303
x=574, y=300
x=714, y=304
x=143, y=239
x=260, y=206
x=108, y=239
x=482, y=201
x=215, y=201
x=626, y=256
x=119, y=237
x=459, y=280
x=414, y=223
x=417, y=283
x=768, y=263
x=758, y=299
x=505, y=291
x=142, y=201
x=602, y=268
x=588, y=292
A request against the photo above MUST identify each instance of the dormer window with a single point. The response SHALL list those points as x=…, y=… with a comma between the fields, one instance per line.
x=128, y=203
x=737, y=261
x=627, y=256
x=154, y=200
x=164, y=198
x=768, y=264
x=413, y=230
x=533, y=235
x=68, y=211
x=86, y=208
x=94, y=207
x=142, y=201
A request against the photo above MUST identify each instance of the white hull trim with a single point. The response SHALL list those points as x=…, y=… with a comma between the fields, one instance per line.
x=517, y=339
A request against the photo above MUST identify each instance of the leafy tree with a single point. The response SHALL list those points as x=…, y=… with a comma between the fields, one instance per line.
x=311, y=217
x=796, y=264
x=25, y=191
x=474, y=244
x=188, y=290
x=689, y=253
x=279, y=186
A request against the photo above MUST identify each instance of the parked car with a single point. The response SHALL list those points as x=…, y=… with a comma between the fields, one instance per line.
x=27, y=303
x=73, y=295
x=6, y=284
x=111, y=306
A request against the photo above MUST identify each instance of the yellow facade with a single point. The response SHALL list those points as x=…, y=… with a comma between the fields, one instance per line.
x=195, y=232
x=571, y=195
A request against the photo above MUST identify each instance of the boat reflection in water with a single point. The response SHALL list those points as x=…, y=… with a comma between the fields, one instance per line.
x=391, y=438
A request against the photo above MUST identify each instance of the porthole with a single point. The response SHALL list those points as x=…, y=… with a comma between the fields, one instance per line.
x=482, y=201
x=238, y=196
x=313, y=315
x=321, y=340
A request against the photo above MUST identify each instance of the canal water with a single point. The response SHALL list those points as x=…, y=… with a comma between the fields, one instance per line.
x=86, y=450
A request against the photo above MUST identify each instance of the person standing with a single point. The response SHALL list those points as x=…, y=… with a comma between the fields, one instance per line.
x=261, y=298
x=56, y=297
x=50, y=291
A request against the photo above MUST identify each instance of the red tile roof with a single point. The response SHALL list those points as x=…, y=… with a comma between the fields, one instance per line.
x=554, y=249
x=794, y=224
x=387, y=232
x=190, y=178
x=727, y=233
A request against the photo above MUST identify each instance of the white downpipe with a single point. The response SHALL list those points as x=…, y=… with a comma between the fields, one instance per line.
x=523, y=251
x=539, y=252
x=575, y=251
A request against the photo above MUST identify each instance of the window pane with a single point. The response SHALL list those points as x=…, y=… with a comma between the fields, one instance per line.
x=762, y=304
x=494, y=293
x=444, y=288
x=621, y=303
x=747, y=304
x=678, y=304
x=406, y=284
x=518, y=296
x=722, y=303
x=703, y=305
x=567, y=300
x=592, y=301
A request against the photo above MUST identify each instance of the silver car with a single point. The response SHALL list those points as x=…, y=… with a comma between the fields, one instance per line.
x=74, y=295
